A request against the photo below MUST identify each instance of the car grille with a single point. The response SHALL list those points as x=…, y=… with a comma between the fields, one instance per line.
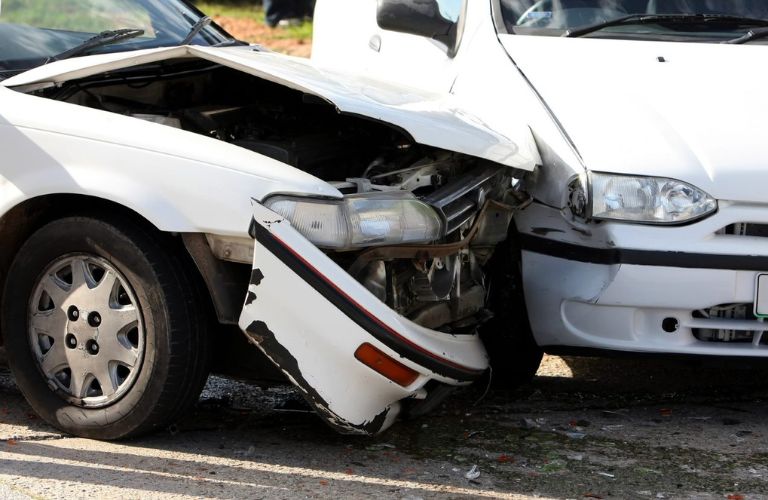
x=746, y=229
x=733, y=323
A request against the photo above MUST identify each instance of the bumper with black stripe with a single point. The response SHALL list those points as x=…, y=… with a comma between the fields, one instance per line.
x=309, y=316
x=641, y=288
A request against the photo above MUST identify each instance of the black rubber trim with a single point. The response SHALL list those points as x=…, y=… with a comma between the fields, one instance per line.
x=356, y=313
x=658, y=258
x=599, y=352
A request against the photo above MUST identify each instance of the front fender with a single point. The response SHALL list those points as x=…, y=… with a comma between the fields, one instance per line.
x=179, y=181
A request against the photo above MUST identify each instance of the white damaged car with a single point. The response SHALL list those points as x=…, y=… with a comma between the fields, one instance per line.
x=649, y=223
x=139, y=140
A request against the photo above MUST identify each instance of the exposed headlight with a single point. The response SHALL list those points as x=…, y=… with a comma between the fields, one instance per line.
x=654, y=200
x=362, y=220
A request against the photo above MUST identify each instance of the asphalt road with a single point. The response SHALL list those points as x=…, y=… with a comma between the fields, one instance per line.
x=584, y=429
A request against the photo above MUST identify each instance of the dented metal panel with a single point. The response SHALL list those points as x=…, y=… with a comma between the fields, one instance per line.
x=431, y=118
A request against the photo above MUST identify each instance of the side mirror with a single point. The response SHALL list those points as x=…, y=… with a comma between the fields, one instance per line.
x=419, y=17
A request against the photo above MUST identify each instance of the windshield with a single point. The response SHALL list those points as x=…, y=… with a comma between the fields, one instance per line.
x=556, y=17
x=32, y=32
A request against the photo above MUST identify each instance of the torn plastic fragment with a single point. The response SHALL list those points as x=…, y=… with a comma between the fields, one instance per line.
x=473, y=473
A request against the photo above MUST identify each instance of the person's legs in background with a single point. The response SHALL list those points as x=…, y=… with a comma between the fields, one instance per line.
x=278, y=10
x=288, y=11
x=272, y=12
x=307, y=8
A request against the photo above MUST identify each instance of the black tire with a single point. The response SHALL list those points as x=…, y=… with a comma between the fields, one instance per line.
x=515, y=356
x=174, y=362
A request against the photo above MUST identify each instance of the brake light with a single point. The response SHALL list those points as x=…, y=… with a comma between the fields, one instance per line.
x=385, y=365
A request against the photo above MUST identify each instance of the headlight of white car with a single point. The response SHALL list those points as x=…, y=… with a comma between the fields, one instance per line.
x=361, y=220
x=654, y=200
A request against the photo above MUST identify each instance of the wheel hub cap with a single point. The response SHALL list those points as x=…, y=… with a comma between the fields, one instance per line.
x=86, y=330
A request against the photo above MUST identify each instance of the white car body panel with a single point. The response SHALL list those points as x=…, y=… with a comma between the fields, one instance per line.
x=350, y=396
x=695, y=117
x=427, y=65
x=687, y=111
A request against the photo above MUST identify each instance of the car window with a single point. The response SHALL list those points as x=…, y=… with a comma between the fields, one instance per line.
x=454, y=11
x=451, y=9
x=79, y=15
x=33, y=32
x=554, y=17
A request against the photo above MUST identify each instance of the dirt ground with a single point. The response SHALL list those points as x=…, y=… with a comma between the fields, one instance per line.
x=586, y=428
x=256, y=32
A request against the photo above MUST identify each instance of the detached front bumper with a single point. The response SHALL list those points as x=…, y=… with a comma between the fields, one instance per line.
x=311, y=318
x=622, y=287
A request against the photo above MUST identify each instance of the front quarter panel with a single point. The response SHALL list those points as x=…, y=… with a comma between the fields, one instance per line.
x=179, y=181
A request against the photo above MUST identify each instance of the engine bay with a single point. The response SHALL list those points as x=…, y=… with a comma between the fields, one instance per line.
x=442, y=285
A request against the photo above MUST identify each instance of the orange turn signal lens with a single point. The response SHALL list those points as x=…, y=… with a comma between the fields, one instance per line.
x=385, y=365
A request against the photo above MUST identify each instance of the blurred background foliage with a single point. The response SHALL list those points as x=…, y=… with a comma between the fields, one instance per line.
x=251, y=11
x=244, y=19
x=75, y=15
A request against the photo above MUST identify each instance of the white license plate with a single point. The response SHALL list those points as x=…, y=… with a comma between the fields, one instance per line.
x=761, y=296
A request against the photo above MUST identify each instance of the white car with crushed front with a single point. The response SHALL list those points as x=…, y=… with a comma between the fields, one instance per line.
x=139, y=142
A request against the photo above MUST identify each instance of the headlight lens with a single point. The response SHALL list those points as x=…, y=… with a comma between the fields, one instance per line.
x=647, y=199
x=363, y=220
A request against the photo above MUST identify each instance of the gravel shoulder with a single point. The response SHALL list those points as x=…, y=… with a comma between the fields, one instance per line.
x=586, y=428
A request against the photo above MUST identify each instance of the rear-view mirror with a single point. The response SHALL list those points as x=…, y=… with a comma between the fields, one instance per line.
x=419, y=17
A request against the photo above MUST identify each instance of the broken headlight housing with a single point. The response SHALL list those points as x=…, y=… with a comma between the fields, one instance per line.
x=361, y=220
x=650, y=200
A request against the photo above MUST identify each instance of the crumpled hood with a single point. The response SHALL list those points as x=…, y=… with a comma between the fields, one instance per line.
x=695, y=112
x=432, y=119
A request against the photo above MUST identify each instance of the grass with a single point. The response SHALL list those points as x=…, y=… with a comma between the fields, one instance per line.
x=73, y=15
x=244, y=19
x=238, y=10
x=249, y=11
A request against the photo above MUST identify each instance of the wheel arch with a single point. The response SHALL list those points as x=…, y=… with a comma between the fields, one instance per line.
x=21, y=221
